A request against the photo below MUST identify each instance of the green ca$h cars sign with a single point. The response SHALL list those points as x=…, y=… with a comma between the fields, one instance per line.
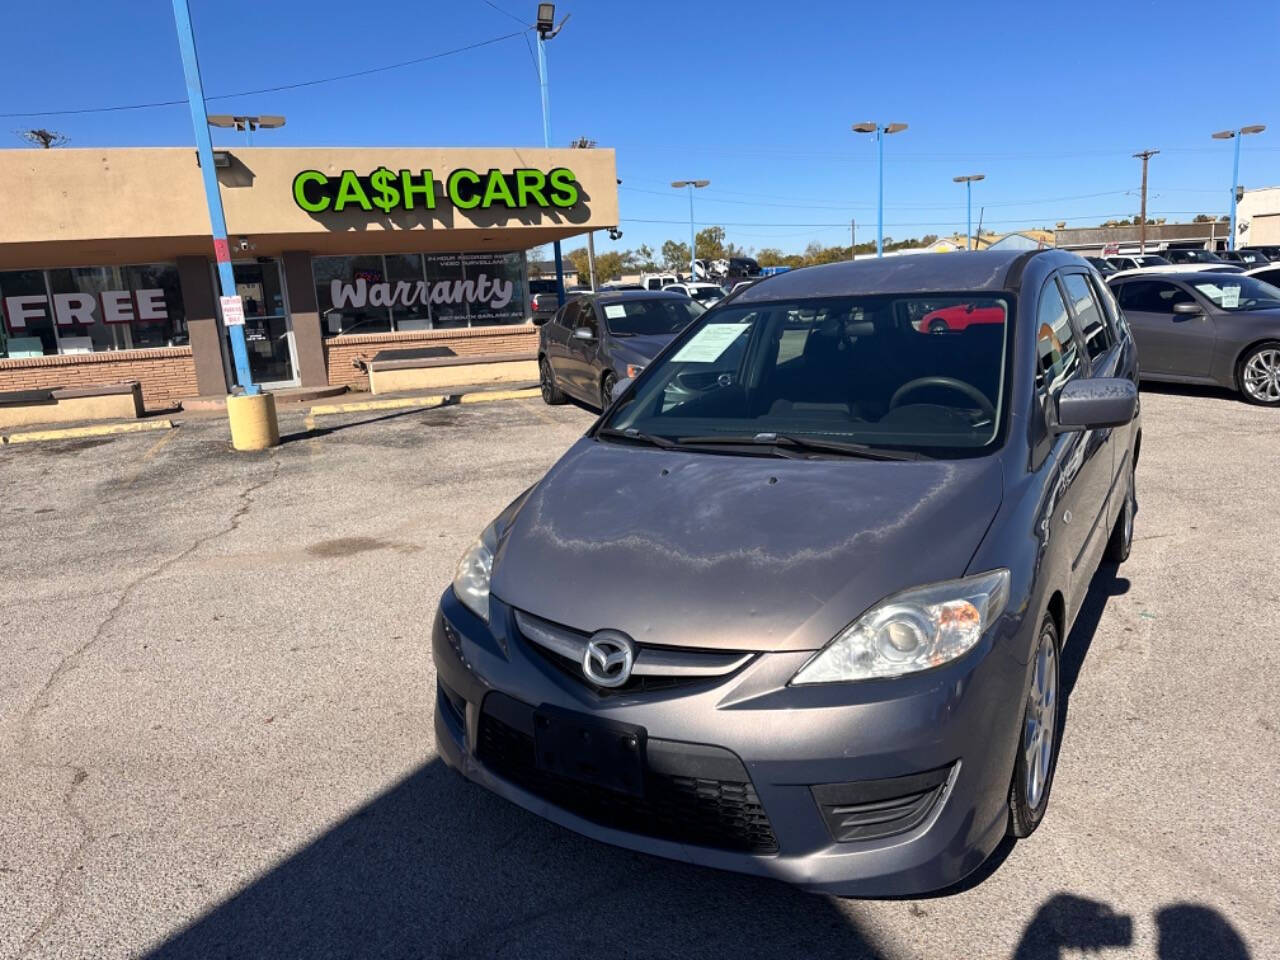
x=394, y=190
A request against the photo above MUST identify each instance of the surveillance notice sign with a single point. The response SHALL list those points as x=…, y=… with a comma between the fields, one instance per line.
x=232, y=311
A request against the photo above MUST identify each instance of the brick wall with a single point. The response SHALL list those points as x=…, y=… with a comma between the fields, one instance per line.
x=341, y=352
x=166, y=373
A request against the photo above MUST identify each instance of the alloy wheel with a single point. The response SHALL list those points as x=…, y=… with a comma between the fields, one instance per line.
x=1041, y=723
x=544, y=378
x=1261, y=376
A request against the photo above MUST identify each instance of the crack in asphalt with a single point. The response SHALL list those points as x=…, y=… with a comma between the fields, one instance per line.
x=68, y=663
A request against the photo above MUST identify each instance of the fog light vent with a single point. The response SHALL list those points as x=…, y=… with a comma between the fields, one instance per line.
x=874, y=809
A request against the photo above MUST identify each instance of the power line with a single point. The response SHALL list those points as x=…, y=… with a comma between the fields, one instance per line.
x=902, y=223
x=829, y=205
x=275, y=89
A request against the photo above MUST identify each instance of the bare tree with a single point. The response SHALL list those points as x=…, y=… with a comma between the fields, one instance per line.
x=46, y=139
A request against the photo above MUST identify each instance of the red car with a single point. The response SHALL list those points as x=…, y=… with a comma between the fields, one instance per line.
x=958, y=317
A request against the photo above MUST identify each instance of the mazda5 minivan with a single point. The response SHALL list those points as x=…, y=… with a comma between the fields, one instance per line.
x=795, y=604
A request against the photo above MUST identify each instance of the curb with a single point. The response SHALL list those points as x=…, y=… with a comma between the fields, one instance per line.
x=404, y=403
x=74, y=433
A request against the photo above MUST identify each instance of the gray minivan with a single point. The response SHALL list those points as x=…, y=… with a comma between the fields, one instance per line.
x=795, y=605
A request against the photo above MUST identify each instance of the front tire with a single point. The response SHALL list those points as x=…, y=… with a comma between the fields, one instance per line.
x=552, y=395
x=1121, y=541
x=606, y=391
x=1258, y=376
x=1038, y=745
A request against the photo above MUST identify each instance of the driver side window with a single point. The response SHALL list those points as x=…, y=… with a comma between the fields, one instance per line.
x=1057, y=354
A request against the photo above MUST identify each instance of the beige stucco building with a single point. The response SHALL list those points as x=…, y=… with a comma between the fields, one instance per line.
x=107, y=265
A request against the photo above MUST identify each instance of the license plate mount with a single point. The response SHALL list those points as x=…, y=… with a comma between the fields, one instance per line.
x=605, y=753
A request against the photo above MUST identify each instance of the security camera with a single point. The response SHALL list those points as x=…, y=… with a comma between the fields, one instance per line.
x=243, y=244
x=615, y=233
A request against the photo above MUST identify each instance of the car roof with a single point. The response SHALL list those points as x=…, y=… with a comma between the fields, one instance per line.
x=911, y=273
x=618, y=296
x=1187, y=276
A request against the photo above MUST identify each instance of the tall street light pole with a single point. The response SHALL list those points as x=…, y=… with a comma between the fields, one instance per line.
x=968, y=205
x=217, y=221
x=881, y=131
x=1235, y=169
x=693, y=237
x=547, y=30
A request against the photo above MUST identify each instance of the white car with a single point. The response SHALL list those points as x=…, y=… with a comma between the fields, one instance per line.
x=705, y=293
x=1136, y=261
x=657, y=281
x=1268, y=274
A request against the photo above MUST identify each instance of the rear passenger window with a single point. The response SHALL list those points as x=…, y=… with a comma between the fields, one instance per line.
x=1056, y=352
x=1097, y=337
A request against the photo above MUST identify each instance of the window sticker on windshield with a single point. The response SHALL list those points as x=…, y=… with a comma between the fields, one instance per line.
x=615, y=311
x=1211, y=290
x=1230, y=297
x=709, y=343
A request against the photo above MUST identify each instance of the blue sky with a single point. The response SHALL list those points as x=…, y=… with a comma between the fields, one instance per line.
x=1048, y=100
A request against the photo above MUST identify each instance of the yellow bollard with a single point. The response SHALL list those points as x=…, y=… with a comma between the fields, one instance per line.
x=253, y=421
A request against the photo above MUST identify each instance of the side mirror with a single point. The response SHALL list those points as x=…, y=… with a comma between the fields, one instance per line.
x=1187, y=309
x=1086, y=404
x=620, y=388
x=584, y=333
x=539, y=319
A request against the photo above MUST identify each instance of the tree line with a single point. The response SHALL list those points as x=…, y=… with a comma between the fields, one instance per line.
x=711, y=244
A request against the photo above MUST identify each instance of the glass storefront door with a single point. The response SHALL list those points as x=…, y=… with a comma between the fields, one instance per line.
x=268, y=332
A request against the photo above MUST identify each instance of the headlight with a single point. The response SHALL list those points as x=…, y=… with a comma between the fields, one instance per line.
x=475, y=567
x=913, y=630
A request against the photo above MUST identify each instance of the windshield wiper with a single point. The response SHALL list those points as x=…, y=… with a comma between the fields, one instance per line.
x=652, y=439
x=783, y=440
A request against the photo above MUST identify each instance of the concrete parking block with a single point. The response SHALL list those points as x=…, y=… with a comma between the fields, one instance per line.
x=77, y=433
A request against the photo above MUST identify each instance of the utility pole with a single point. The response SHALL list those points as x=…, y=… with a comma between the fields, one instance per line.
x=853, y=239
x=1144, y=156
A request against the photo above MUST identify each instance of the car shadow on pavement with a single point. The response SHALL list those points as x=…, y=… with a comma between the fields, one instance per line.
x=438, y=867
x=1208, y=391
x=1106, y=583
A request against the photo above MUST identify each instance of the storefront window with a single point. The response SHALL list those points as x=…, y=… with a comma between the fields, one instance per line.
x=91, y=309
x=412, y=291
x=351, y=311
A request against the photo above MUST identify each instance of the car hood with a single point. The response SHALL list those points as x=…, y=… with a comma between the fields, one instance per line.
x=735, y=552
x=640, y=349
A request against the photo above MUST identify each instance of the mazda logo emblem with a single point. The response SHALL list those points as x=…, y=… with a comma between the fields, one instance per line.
x=608, y=659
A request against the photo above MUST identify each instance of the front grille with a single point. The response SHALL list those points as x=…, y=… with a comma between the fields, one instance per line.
x=874, y=809
x=677, y=805
x=657, y=667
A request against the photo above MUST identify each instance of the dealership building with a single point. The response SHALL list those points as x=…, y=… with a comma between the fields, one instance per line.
x=107, y=265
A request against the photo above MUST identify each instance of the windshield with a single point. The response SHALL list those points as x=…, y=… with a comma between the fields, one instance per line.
x=918, y=372
x=647, y=318
x=1195, y=256
x=1151, y=261
x=706, y=293
x=1239, y=293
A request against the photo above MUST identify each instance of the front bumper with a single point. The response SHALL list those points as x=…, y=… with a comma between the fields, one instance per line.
x=799, y=748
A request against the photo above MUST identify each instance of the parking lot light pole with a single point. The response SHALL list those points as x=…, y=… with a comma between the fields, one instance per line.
x=547, y=30
x=881, y=132
x=217, y=222
x=693, y=237
x=246, y=125
x=968, y=205
x=1235, y=169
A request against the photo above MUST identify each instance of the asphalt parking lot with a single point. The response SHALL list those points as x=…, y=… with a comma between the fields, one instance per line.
x=216, y=739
